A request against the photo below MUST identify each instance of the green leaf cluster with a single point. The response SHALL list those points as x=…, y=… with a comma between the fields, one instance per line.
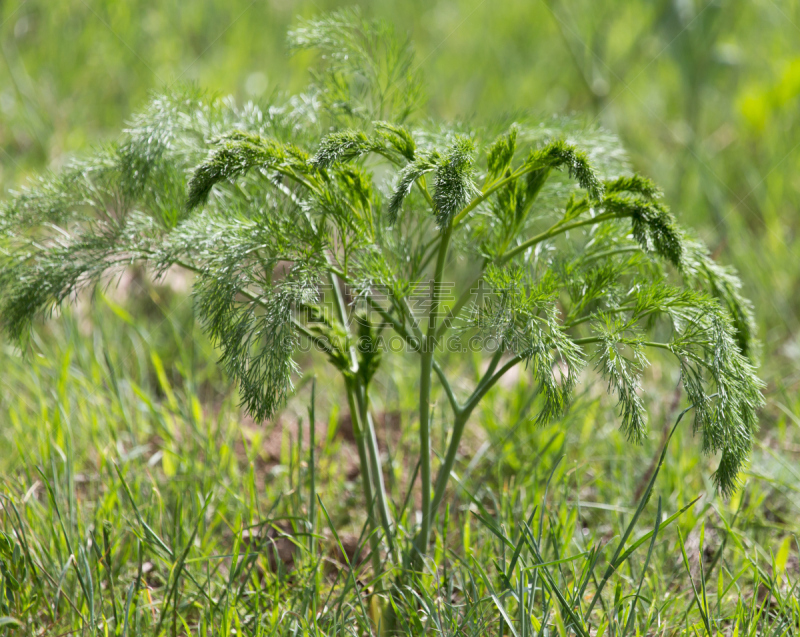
x=277, y=208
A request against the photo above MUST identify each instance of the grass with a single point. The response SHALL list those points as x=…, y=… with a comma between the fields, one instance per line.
x=149, y=507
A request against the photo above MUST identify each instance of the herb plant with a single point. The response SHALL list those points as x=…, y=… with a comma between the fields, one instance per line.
x=338, y=216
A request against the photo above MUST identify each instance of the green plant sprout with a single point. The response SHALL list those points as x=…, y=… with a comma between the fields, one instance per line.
x=334, y=217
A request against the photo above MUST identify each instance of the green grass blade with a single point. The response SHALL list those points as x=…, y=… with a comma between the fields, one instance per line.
x=612, y=565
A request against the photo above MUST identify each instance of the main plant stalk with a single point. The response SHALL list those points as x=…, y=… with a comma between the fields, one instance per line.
x=366, y=474
x=376, y=469
x=426, y=369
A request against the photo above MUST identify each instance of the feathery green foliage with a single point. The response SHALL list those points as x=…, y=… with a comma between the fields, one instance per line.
x=236, y=154
x=580, y=260
x=407, y=177
x=560, y=154
x=366, y=72
x=343, y=146
x=453, y=185
x=523, y=317
x=622, y=372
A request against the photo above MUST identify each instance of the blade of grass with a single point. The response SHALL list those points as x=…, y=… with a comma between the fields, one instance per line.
x=697, y=600
x=577, y=623
x=612, y=565
x=629, y=623
x=344, y=554
x=178, y=566
x=312, y=479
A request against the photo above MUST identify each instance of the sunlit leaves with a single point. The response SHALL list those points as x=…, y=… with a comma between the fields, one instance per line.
x=235, y=154
x=621, y=361
x=633, y=184
x=719, y=380
x=256, y=337
x=523, y=318
x=559, y=154
x=407, y=177
x=453, y=182
x=699, y=268
x=653, y=226
x=398, y=137
x=36, y=279
x=501, y=152
x=366, y=72
x=343, y=146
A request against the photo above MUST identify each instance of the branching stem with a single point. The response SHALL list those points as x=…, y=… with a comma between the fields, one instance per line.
x=371, y=472
x=556, y=229
x=502, y=259
x=461, y=418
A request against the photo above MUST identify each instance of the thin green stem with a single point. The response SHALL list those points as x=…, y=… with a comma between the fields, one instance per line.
x=342, y=311
x=597, y=339
x=459, y=424
x=423, y=187
x=375, y=466
x=494, y=362
x=611, y=253
x=556, y=229
x=589, y=317
x=488, y=192
x=448, y=389
x=615, y=310
x=366, y=474
x=319, y=342
x=410, y=316
x=291, y=174
x=428, y=258
x=426, y=367
x=486, y=385
x=459, y=305
x=414, y=344
x=369, y=455
x=397, y=326
x=312, y=468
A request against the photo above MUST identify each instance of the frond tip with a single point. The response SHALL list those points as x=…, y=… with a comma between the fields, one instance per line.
x=257, y=338
x=398, y=137
x=623, y=373
x=698, y=268
x=453, y=184
x=558, y=155
x=343, y=146
x=366, y=73
x=236, y=153
x=654, y=228
x=407, y=177
x=501, y=152
x=37, y=279
x=523, y=317
x=723, y=386
x=634, y=184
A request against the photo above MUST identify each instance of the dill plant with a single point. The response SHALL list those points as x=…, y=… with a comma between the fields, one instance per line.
x=323, y=216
